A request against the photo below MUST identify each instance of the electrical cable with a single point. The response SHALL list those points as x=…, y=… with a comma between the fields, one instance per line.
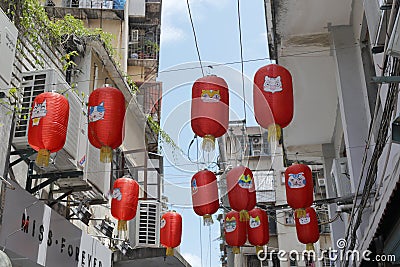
x=211, y=65
x=195, y=37
x=241, y=59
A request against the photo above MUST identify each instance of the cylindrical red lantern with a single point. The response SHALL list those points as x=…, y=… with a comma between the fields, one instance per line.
x=307, y=228
x=106, y=120
x=47, y=130
x=299, y=187
x=273, y=98
x=205, y=195
x=241, y=190
x=124, y=201
x=258, y=228
x=171, y=231
x=235, y=231
x=210, y=109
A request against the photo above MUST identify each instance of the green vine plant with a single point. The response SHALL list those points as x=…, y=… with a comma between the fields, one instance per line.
x=34, y=24
x=155, y=127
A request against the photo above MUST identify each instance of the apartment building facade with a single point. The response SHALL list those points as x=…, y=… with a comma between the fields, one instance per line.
x=343, y=59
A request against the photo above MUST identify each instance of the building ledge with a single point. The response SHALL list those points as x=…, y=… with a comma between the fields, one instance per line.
x=85, y=13
x=149, y=257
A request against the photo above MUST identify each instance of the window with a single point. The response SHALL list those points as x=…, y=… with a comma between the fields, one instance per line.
x=289, y=217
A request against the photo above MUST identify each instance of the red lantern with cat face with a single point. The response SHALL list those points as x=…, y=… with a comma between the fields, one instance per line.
x=210, y=109
x=124, y=201
x=258, y=228
x=48, y=122
x=205, y=195
x=106, y=114
x=235, y=231
x=171, y=231
x=299, y=187
x=307, y=228
x=241, y=190
x=273, y=98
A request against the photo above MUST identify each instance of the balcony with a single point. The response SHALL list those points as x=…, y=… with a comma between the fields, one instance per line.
x=86, y=9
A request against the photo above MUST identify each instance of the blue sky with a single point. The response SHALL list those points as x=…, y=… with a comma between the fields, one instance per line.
x=216, y=25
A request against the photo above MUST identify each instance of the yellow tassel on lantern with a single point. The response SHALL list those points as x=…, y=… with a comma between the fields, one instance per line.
x=105, y=154
x=274, y=132
x=207, y=219
x=169, y=252
x=208, y=144
x=43, y=158
x=244, y=216
x=236, y=250
x=310, y=247
x=300, y=213
x=122, y=226
x=259, y=249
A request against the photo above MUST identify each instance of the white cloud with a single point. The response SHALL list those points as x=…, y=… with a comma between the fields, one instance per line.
x=170, y=33
x=174, y=13
x=194, y=260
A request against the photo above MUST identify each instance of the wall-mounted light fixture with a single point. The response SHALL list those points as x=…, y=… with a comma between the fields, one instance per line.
x=82, y=213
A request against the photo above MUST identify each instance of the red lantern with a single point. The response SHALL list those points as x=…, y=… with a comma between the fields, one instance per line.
x=106, y=120
x=241, y=191
x=48, y=124
x=205, y=195
x=235, y=231
x=258, y=228
x=307, y=228
x=124, y=201
x=210, y=109
x=273, y=98
x=171, y=231
x=299, y=187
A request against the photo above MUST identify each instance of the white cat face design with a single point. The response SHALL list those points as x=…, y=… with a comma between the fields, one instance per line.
x=116, y=194
x=212, y=96
x=39, y=110
x=297, y=180
x=163, y=223
x=230, y=224
x=96, y=113
x=272, y=84
x=194, y=187
x=305, y=220
x=254, y=222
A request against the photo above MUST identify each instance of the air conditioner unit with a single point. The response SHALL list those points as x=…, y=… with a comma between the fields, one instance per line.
x=37, y=82
x=339, y=173
x=321, y=182
x=147, y=224
x=134, y=37
x=393, y=48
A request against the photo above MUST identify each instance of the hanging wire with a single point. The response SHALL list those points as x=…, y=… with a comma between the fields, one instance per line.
x=241, y=60
x=201, y=244
x=209, y=241
x=195, y=37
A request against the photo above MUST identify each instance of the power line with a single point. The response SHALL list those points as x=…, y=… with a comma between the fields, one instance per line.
x=195, y=37
x=241, y=59
x=211, y=65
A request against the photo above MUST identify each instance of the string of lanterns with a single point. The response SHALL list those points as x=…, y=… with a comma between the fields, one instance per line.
x=273, y=108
